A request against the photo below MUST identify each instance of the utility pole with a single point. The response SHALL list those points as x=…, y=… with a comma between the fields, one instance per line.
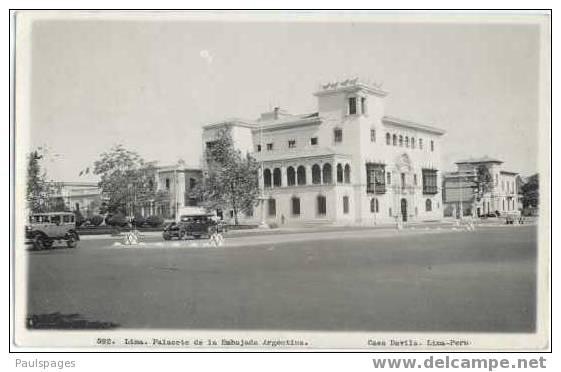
x=261, y=179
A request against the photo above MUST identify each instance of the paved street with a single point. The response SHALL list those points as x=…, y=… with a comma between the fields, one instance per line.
x=426, y=279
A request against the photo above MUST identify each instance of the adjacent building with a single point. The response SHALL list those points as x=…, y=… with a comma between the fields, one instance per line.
x=460, y=189
x=174, y=185
x=347, y=163
x=82, y=196
x=175, y=189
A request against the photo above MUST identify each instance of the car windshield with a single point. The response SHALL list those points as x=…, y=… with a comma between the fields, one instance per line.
x=195, y=219
x=39, y=218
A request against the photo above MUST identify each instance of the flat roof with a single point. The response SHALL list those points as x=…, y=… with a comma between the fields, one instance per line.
x=484, y=159
x=411, y=124
x=235, y=122
x=295, y=154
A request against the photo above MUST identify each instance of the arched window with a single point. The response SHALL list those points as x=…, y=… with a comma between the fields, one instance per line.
x=295, y=201
x=394, y=140
x=267, y=177
x=400, y=141
x=301, y=175
x=321, y=205
x=374, y=206
x=290, y=176
x=389, y=178
x=412, y=142
x=428, y=205
x=316, y=174
x=388, y=139
x=339, y=173
x=407, y=141
x=345, y=204
x=327, y=173
x=347, y=173
x=277, y=181
x=272, y=207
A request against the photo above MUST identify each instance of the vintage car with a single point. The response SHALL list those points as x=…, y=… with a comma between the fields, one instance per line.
x=193, y=226
x=44, y=229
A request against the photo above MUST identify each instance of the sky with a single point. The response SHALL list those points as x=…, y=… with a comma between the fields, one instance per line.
x=152, y=85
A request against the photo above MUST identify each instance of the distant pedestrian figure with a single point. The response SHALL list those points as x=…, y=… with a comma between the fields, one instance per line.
x=398, y=223
x=282, y=219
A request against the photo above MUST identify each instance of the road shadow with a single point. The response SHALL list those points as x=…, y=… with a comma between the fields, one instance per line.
x=65, y=321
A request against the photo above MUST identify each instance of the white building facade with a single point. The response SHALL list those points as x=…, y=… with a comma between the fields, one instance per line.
x=347, y=163
x=503, y=195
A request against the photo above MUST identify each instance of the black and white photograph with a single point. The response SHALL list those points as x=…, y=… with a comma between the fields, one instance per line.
x=282, y=180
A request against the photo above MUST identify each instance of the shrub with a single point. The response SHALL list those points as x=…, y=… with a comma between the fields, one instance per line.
x=139, y=220
x=273, y=225
x=79, y=217
x=96, y=219
x=118, y=219
x=154, y=221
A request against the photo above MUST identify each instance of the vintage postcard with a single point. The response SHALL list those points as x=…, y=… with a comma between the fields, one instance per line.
x=281, y=180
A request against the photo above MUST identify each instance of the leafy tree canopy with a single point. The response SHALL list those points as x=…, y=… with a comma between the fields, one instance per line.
x=230, y=178
x=531, y=192
x=38, y=188
x=126, y=179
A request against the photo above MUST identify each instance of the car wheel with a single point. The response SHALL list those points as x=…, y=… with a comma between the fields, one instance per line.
x=47, y=244
x=72, y=242
x=167, y=237
x=38, y=242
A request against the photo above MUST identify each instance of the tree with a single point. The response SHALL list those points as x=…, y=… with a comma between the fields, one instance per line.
x=126, y=179
x=230, y=179
x=483, y=182
x=531, y=192
x=38, y=189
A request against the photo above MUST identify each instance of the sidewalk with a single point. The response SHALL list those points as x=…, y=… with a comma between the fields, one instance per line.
x=292, y=230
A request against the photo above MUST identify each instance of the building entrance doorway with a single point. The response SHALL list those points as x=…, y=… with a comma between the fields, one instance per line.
x=404, y=210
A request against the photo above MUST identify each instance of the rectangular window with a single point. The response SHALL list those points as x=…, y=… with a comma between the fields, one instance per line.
x=167, y=184
x=352, y=106
x=363, y=107
x=338, y=135
x=389, y=176
x=314, y=141
x=322, y=205
x=429, y=181
x=291, y=144
x=375, y=181
x=420, y=143
x=258, y=148
x=296, y=206
x=432, y=145
x=272, y=207
x=269, y=147
x=372, y=135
